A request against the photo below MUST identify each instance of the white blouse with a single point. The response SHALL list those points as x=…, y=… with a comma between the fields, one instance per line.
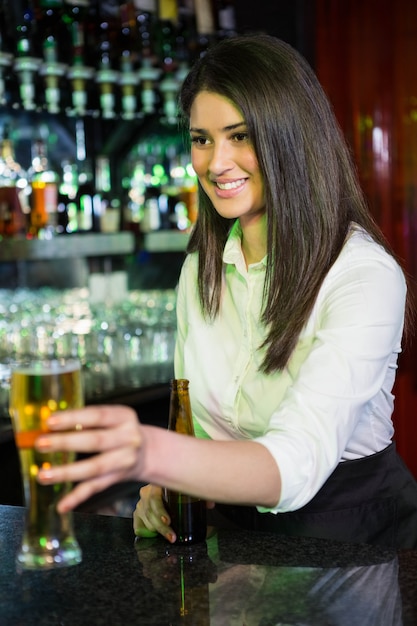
x=333, y=401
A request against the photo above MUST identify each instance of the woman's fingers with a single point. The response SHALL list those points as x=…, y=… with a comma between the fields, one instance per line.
x=120, y=462
x=101, y=416
x=150, y=516
x=112, y=439
x=81, y=492
x=93, y=475
x=93, y=429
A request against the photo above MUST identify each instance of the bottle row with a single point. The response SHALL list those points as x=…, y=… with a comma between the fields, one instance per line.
x=109, y=59
x=155, y=190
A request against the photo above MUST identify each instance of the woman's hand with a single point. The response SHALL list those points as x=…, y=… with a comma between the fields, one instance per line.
x=150, y=516
x=123, y=449
x=112, y=434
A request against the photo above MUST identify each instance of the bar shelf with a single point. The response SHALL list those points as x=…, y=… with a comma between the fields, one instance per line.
x=165, y=241
x=67, y=246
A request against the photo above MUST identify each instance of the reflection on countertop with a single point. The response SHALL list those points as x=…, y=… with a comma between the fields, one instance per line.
x=234, y=578
x=236, y=593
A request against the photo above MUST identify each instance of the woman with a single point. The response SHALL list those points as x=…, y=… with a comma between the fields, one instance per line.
x=291, y=309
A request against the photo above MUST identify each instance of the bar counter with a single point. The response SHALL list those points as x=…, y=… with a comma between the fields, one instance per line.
x=232, y=579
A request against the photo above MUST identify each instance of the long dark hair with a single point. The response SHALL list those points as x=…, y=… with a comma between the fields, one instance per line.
x=312, y=192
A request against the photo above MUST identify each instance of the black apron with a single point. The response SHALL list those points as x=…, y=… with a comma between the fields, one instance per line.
x=371, y=500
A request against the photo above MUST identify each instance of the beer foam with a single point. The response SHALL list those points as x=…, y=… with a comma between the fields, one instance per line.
x=47, y=367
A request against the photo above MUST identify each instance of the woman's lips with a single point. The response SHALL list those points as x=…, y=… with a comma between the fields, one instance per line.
x=229, y=188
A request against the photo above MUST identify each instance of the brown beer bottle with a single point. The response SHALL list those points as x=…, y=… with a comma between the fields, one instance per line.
x=187, y=513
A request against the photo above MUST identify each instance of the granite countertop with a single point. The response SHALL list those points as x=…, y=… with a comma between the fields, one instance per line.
x=232, y=579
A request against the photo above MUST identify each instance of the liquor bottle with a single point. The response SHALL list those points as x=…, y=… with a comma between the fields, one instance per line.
x=80, y=72
x=227, y=18
x=167, y=53
x=106, y=76
x=205, y=18
x=146, y=21
x=187, y=513
x=50, y=25
x=6, y=53
x=26, y=35
x=88, y=200
x=12, y=182
x=151, y=218
x=27, y=61
x=149, y=73
x=184, y=182
x=129, y=57
x=110, y=212
x=67, y=208
x=167, y=34
x=75, y=17
x=44, y=198
x=52, y=69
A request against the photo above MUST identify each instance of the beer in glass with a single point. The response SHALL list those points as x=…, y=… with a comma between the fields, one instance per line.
x=39, y=388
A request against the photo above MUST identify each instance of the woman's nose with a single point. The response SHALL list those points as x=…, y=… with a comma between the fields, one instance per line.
x=221, y=160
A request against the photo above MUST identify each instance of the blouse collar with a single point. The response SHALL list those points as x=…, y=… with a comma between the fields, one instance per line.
x=233, y=253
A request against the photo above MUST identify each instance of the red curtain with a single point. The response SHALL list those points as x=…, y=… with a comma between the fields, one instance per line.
x=366, y=59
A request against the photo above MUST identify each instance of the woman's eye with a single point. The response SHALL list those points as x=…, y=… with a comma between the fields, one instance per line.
x=199, y=140
x=240, y=137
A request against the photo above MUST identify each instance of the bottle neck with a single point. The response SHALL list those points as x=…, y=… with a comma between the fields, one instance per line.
x=180, y=385
x=7, y=150
x=180, y=416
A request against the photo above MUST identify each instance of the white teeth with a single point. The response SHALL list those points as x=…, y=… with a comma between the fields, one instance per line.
x=232, y=185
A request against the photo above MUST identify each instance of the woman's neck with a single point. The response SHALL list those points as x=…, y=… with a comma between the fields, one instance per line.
x=254, y=236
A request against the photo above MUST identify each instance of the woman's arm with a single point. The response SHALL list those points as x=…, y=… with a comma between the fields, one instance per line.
x=241, y=472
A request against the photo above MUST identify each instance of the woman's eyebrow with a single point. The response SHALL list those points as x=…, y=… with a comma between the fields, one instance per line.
x=225, y=129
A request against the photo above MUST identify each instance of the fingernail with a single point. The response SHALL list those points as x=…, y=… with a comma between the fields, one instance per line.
x=63, y=508
x=171, y=537
x=164, y=519
x=44, y=475
x=43, y=443
x=53, y=421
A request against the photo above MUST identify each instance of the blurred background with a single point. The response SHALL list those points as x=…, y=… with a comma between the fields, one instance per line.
x=98, y=196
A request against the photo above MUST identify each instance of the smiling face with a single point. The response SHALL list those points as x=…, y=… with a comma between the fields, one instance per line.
x=224, y=159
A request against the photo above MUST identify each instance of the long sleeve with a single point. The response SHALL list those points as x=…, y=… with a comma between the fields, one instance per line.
x=339, y=404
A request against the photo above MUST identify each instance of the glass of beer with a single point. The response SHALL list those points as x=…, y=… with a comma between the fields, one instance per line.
x=38, y=388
